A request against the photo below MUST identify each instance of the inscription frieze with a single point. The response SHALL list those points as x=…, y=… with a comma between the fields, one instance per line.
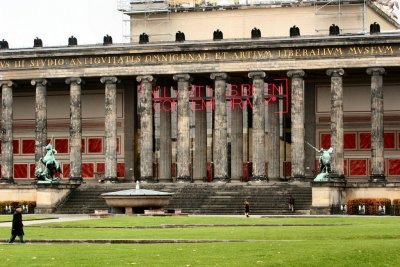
x=198, y=57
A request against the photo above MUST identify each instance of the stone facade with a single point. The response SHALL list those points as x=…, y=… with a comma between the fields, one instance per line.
x=302, y=62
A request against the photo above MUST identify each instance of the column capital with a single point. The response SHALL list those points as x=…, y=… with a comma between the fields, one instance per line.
x=42, y=82
x=296, y=73
x=145, y=78
x=335, y=72
x=8, y=83
x=184, y=77
x=219, y=76
x=257, y=75
x=109, y=79
x=73, y=80
x=375, y=71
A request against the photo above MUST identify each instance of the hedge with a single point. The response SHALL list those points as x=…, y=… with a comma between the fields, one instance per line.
x=371, y=205
x=396, y=206
x=28, y=205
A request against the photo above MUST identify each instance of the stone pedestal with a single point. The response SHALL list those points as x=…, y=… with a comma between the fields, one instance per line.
x=326, y=194
x=49, y=196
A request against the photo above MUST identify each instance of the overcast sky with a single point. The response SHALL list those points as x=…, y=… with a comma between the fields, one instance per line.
x=54, y=21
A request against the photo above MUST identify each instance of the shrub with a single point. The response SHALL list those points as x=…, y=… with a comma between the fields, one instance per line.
x=396, y=206
x=9, y=206
x=371, y=206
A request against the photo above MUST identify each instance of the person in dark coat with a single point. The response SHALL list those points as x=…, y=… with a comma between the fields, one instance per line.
x=291, y=203
x=246, y=205
x=17, y=226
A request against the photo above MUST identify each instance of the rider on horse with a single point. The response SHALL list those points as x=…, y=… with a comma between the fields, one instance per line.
x=325, y=160
x=52, y=166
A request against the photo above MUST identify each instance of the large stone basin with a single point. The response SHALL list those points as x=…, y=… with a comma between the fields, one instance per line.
x=136, y=200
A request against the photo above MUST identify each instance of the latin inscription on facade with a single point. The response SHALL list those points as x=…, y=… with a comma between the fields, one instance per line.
x=193, y=57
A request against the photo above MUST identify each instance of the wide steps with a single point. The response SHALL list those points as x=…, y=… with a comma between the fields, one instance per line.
x=201, y=198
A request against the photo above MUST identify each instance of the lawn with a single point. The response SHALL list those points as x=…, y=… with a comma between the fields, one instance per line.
x=305, y=241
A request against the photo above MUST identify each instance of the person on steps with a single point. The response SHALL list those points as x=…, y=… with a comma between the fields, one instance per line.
x=246, y=208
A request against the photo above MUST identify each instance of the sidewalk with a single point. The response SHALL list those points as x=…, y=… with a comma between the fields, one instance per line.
x=59, y=218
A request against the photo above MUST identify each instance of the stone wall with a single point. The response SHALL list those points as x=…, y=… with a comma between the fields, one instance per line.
x=47, y=197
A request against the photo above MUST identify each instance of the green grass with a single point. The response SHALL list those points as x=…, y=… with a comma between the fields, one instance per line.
x=331, y=241
x=129, y=221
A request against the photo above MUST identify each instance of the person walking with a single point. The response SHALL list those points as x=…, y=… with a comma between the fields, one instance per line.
x=246, y=208
x=291, y=203
x=17, y=226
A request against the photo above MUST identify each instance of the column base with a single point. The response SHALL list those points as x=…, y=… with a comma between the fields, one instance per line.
x=184, y=179
x=277, y=179
x=75, y=180
x=299, y=177
x=224, y=179
x=258, y=178
x=377, y=178
x=163, y=180
x=199, y=179
x=6, y=180
x=148, y=179
x=110, y=179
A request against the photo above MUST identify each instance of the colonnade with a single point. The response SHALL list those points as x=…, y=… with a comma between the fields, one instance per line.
x=197, y=172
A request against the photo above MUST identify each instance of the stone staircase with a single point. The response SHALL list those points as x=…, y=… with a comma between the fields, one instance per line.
x=208, y=198
x=264, y=199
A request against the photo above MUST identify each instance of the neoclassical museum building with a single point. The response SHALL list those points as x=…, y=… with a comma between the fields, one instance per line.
x=213, y=92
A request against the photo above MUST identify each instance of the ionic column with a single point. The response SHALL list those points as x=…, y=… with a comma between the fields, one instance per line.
x=110, y=172
x=200, y=140
x=183, y=131
x=337, y=120
x=165, y=137
x=75, y=129
x=7, y=160
x=274, y=142
x=41, y=117
x=237, y=141
x=377, y=127
x=146, y=127
x=297, y=114
x=220, y=148
x=258, y=125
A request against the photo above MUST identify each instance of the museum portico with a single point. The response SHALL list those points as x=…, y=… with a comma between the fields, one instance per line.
x=204, y=111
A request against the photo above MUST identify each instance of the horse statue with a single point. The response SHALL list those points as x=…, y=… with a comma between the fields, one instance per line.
x=324, y=163
x=50, y=166
x=325, y=160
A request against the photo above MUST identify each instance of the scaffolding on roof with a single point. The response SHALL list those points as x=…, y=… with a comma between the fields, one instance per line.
x=157, y=12
x=329, y=12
